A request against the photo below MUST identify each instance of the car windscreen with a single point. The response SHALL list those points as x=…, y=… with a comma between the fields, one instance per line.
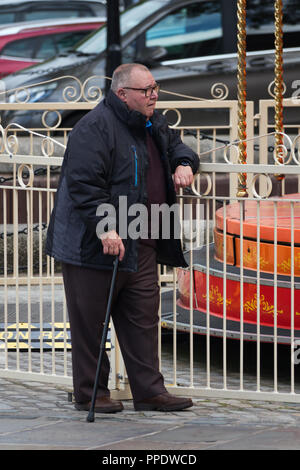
x=96, y=43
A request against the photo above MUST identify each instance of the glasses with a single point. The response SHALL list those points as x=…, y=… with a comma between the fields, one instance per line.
x=148, y=91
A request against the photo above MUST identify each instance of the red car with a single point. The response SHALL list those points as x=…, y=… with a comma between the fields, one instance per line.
x=25, y=44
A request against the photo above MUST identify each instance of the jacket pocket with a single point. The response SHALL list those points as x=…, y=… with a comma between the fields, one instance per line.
x=135, y=166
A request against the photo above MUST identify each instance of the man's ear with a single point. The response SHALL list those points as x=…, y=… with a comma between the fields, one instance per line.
x=122, y=95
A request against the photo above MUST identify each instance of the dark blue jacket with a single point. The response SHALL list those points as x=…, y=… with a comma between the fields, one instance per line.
x=106, y=157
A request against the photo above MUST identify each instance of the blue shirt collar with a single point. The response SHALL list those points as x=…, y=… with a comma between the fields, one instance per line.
x=149, y=126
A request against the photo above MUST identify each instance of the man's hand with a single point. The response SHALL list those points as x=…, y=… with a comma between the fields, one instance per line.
x=183, y=177
x=112, y=244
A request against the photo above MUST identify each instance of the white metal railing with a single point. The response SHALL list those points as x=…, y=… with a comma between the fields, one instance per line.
x=201, y=382
x=218, y=284
x=34, y=339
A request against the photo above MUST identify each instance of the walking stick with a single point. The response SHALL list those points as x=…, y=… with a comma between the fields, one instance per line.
x=90, y=417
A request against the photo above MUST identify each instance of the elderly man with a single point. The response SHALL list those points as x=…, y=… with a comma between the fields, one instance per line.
x=122, y=148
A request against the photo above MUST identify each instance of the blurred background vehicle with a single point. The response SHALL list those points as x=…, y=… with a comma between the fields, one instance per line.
x=29, y=43
x=189, y=45
x=15, y=11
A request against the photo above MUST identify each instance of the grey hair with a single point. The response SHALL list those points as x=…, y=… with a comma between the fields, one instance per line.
x=122, y=74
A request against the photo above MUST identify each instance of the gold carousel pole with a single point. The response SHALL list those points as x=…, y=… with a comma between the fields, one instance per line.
x=242, y=85
x=279, y=82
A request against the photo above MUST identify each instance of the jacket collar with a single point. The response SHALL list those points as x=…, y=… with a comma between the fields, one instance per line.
x=133, y=119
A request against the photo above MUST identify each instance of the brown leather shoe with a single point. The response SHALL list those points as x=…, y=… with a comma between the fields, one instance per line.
x=102, y=405
x=163, y=402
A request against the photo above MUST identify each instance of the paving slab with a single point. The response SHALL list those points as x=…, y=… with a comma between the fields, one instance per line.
x=37, y=416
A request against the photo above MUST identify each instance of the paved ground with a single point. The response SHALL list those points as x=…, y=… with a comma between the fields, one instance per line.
x=40, y=417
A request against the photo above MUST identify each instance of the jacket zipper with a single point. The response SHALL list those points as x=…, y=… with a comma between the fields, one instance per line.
x=135, y=165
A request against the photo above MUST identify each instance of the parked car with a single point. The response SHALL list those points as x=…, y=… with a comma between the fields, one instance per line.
x=189, y=45
x=29, y=43
x=15, y=11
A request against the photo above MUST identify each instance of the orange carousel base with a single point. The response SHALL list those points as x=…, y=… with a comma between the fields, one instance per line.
x=259, y=305
x=266, y=235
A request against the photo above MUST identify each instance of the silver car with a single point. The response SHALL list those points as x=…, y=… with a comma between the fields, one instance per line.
x=189, y=45
x=15, y=11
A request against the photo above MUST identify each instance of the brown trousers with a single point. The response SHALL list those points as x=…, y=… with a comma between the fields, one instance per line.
x=135, y=317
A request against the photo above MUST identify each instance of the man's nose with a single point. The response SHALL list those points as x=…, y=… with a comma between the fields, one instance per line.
x=154, y=94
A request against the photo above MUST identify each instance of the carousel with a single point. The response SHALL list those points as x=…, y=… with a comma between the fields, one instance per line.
x=255, y=296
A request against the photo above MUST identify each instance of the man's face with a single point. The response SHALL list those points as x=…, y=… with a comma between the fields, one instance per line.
x=137, y=99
